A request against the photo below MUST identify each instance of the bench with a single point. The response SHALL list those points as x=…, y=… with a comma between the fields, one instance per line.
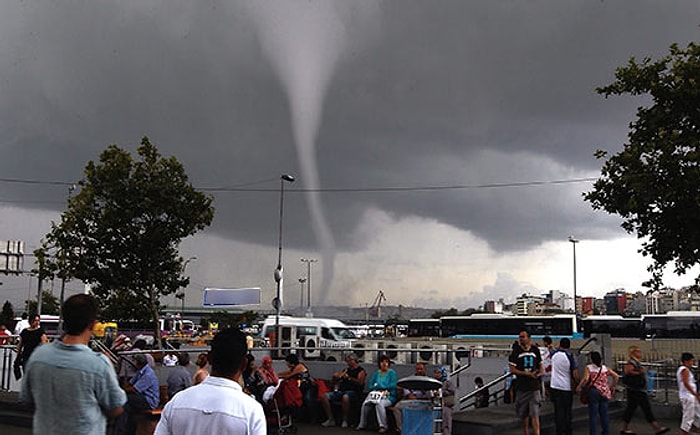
x=147, y=419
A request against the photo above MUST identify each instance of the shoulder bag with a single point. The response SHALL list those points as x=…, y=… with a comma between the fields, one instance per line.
x=586, y=390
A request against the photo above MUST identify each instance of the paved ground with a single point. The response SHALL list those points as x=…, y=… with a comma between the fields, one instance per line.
x=638, y=424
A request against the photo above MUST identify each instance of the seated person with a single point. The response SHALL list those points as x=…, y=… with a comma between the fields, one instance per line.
x=298, y=370
x=179, y=377
x=382, y=393
x=142, y=393
x=410, y=395
x=482, y=397
x=267, y=372
x=252, y=380
x=350, y=383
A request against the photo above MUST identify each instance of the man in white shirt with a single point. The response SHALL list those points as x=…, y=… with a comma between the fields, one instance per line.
x=218, y=405
x=22, y=324
x=564, y=375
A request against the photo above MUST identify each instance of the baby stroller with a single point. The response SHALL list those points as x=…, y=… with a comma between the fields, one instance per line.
x=283, y=408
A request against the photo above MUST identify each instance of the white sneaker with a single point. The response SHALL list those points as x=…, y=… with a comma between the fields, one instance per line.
x=345, y=424
x=328, y=423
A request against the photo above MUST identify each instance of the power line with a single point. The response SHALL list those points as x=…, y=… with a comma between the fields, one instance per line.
x=407, y=188
x=244, y=187
x=47, y=182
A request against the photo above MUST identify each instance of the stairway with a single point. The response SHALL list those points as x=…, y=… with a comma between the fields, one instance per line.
x=501, y=419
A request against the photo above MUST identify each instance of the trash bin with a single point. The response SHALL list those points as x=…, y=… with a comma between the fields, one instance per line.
x=418, y=417
x=651, y=380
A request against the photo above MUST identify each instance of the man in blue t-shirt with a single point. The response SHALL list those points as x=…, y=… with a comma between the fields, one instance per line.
x=526, y=365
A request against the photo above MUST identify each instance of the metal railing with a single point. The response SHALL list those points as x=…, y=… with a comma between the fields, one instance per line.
x=8, y=358
x=493, y=395
x=662, y=385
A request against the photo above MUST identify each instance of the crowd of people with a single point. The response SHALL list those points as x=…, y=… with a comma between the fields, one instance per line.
x=67, y=374
x=75, y=390
x=554, y=374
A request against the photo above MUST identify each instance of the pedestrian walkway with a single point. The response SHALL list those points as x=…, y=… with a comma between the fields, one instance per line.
x=638, y=425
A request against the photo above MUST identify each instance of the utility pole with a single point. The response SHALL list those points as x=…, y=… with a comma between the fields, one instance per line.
x=302, y=280
x=308, y=262
x=574, y=241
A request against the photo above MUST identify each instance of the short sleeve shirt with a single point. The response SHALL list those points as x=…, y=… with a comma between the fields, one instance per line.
x=61, y=378
x=529, y=361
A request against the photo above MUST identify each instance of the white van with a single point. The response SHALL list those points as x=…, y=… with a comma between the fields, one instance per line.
x=316, y=338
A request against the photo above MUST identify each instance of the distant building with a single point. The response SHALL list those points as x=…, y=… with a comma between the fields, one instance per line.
x=563, y=301
x=587, y=304
x=615, y=301
x=527, y=305
x=662, y=301
x=494, y=306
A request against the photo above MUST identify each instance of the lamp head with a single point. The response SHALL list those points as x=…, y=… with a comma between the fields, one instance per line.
x=287, y=177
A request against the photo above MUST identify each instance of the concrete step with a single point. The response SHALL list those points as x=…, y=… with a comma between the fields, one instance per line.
x=502, y=420
x=12, y=412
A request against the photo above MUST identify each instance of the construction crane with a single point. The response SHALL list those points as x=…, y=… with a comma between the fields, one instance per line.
x=376, y=309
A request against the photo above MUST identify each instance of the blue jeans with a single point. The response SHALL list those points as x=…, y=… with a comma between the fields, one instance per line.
x=598, y=407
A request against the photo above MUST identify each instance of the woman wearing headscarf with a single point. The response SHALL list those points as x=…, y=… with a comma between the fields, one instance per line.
x=267, y=372
x=448, y=396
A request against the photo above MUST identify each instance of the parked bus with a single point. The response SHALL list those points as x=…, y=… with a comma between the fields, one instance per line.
x=615, y=325
x=504, y=326
x=674, y=324
x=424, y=328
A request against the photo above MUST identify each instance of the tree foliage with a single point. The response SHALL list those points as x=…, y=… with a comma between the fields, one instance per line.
x=7, y=315
x=49, y=304
x=654, y=182
x=230, y=320
x=121, y=232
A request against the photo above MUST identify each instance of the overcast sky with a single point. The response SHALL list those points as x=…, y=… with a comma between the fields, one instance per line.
x=440, y=149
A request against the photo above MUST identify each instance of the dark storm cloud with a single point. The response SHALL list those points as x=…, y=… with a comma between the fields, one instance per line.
x=441, y=93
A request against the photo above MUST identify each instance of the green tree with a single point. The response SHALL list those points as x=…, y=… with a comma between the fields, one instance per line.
x=451, y=312
x=654, y=182
x=49, y=304
x=7, y=315
x=121, y=232
x=230, y=320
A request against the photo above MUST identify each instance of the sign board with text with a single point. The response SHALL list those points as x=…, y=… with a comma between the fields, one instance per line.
x=221, y=297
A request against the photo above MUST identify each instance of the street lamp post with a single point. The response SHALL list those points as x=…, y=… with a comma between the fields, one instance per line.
x=302, y=280
x=277, y=302
x=574, y=241
x=182, y=295
x=308, y=262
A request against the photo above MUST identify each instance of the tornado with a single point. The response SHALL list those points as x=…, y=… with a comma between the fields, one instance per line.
x=304, y=40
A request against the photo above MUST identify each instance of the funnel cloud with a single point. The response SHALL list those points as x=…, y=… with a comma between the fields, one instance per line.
x=304, y=41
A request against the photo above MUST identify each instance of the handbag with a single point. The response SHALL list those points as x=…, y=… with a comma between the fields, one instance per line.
x=585, y=391
x=448, y=401
x=375, y=396
x=17, y=368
